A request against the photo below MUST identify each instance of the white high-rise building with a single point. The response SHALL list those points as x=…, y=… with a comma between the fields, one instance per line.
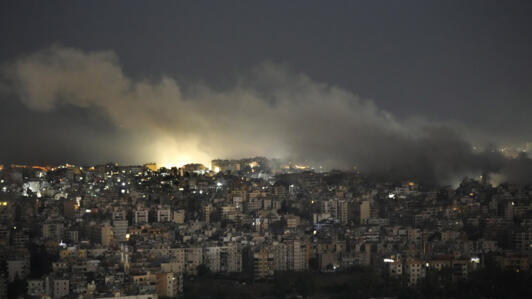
x=141, y=216
x=211, y=258
x=297, y=256
x=280, y=257
x=61, y=288
x=164, y=215
x=19, y=268
x=193, y=258
x=120, y=230
x=231, y=258
x=365, y=211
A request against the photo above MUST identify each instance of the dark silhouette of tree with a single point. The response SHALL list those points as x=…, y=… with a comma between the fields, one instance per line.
x=203, y=270
x=17, y=288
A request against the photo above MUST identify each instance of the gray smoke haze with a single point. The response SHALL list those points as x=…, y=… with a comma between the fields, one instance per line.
x=272, y=111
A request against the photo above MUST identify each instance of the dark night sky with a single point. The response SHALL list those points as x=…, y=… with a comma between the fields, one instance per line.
x=466, y=62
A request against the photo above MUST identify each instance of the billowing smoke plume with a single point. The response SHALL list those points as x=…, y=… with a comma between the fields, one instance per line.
x=271, y=111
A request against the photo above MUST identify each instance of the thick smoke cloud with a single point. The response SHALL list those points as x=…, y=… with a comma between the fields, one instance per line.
x=271, y=111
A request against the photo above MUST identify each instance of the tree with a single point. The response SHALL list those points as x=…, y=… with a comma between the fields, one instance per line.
x=17, y=288
x=203, y=270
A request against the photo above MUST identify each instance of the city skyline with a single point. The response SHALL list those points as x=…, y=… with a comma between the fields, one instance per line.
x=411, y=89
x=301, y=149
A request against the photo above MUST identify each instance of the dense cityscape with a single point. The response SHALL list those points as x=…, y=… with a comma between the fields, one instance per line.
x=265, y=149
x=255, y=228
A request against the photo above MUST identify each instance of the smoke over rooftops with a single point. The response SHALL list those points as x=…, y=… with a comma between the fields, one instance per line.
x=272, y=111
